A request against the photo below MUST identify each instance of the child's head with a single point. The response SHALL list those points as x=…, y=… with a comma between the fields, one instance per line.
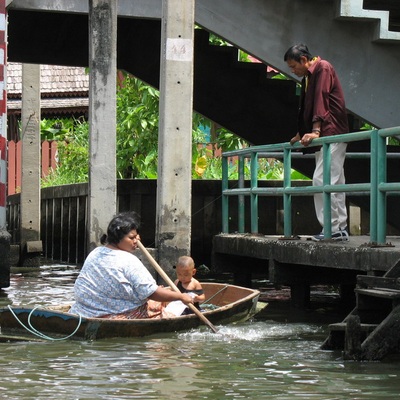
x=185, y=269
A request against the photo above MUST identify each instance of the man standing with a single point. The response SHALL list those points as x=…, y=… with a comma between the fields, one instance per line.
x=322, y=113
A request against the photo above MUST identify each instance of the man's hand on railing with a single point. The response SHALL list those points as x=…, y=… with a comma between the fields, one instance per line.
x=308, y=138
x=295, y=139
x=305, y=140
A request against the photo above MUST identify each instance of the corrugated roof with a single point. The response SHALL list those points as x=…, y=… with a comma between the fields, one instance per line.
x=55, y=80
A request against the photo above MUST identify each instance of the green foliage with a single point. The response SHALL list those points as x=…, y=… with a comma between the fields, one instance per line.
x=55, y=129
x=137, y=130
x=206, y=166
x=268, y=169
x=72, y=154
x=200, y=152
x=367, y=127
x=228, y=141
x=281, y=77
x=393, y=141
x=137, y=142
x=217, y=41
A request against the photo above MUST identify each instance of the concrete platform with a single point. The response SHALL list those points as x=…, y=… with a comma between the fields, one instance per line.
x=303, y=261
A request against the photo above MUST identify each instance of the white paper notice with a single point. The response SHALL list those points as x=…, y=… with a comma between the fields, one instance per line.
x=179, y=49
x=176, y=307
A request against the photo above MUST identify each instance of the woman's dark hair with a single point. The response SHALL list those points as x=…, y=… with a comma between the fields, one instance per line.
x=120, y=226
x=297, y=51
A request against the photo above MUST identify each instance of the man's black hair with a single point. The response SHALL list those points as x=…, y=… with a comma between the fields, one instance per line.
x=297, y=51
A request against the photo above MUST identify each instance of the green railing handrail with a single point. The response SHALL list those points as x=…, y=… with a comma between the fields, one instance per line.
x=378, y=188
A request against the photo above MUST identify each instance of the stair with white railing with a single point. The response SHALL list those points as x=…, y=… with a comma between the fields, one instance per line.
x=354, y=9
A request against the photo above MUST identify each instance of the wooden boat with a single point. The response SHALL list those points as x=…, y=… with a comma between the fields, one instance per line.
x=224, y=304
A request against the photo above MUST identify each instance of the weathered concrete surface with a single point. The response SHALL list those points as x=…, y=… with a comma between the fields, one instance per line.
x=174, y=186
x=30, y=183
x=315, y=261
x=102, y=203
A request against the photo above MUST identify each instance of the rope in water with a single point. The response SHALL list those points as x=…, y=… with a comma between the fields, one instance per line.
x=35, y=332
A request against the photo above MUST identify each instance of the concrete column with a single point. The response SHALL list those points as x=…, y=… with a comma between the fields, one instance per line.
x=31, y=246
x=173, y=221
x=102, y=117
x=4, y=235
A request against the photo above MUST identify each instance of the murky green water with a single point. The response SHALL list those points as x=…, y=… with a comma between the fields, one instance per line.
x=264, y=359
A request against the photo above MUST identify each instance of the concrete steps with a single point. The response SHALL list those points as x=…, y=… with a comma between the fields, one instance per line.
x=382, y=293
x=370, y=331
x=354, y=10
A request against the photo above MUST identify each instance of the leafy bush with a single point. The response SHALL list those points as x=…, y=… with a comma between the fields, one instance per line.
x=137, y=142
x=72, y=155
x=137, y=129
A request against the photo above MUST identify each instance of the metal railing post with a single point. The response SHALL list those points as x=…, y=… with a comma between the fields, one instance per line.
x=254, y=196
x=326, y=159
x=225, y=198
x=241, y=204
x=374, y=187
x=381, y=194
x=287, y=197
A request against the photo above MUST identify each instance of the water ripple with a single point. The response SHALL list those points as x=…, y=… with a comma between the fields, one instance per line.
x=252, y=360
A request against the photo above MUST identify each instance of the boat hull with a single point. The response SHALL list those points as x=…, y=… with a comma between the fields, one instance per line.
x=234, y=304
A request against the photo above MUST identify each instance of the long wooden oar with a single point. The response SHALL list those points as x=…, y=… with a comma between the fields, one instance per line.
x=168, y=280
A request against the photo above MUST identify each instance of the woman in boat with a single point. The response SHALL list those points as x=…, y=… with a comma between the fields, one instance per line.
x=113, y=283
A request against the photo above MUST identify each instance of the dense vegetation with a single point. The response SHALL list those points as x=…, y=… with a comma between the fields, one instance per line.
x=137, y=139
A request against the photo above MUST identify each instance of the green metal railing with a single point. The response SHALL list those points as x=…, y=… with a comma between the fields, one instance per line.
x=378, y=188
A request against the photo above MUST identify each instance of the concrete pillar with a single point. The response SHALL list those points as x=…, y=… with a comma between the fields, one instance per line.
x=31, y=246
x=173, y=220
x=4, y=235
x=102, y=117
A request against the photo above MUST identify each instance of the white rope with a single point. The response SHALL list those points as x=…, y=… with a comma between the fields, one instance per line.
x=35, y=332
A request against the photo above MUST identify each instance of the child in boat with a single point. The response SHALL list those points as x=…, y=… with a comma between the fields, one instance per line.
x=186, y=283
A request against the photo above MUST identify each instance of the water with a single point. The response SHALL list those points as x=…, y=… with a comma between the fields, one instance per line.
x=263, y=359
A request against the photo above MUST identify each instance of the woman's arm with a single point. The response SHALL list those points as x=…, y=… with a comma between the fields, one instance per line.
x=162, y=294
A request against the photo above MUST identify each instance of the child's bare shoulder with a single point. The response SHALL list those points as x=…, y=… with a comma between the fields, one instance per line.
x=196, y=283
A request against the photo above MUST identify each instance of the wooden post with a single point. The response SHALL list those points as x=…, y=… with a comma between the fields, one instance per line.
x=384, y=340
x=352, y=340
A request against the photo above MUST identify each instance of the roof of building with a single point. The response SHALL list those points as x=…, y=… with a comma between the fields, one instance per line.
x=55, y=80
x=63, y=89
